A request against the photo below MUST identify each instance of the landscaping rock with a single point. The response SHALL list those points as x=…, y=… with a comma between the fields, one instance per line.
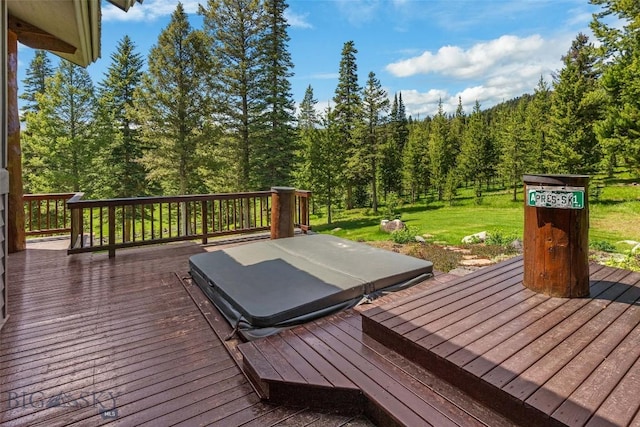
x=517, y=245
x=420, y=239
x=391, y=226
x=335, y=230
x=478, y=262
x=475, y=238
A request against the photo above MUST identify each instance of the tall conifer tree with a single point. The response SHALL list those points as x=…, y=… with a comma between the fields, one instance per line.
x=439, y=153
x=173, y=107
x=39, y=71
x=575, y=108
x=375, y=106
x=237, y=29
x=617, y=26
x=474, y=159
x=273, y=162
x=537, y=126
x=123, y=173
x=59, y=138
x=309, y=160
x=347, y=113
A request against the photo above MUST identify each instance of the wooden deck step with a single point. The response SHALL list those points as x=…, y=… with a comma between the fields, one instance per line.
x=533, y=358
x=331, y=360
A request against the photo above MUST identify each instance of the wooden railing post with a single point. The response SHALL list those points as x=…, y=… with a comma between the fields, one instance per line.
x=77, y=240
x=204, y=222
x=112, y=231
x=282, y=212
x=303, y=198
x=556, y=235
x=76, y=228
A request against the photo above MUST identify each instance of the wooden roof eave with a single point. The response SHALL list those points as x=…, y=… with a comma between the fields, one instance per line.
x=68, y=28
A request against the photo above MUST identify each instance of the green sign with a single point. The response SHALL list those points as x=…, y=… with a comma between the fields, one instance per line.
x=554, y=197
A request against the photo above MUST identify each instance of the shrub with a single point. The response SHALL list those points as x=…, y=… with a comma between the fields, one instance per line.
x=404, y=235
x=499, y=238
x=602, y=245
x=627, y=262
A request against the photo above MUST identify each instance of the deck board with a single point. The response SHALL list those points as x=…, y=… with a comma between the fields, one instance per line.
x=532, y=357
x=130, y=326
x=397, y=392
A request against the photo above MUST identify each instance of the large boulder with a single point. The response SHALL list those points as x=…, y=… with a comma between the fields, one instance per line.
x=391, y=226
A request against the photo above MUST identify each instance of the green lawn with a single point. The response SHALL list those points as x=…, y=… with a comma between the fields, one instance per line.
x=614, y=216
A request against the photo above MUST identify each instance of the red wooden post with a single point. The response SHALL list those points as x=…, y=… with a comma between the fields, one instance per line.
x=282, y=212
x=556, y=235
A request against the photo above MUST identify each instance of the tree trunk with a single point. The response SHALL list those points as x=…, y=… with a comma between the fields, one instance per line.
x=374, y=188
x=16, y=240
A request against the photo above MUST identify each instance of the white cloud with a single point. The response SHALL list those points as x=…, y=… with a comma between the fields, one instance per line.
x=489, y=72
x=456, y=62
x=297, y=20
x=149, y=10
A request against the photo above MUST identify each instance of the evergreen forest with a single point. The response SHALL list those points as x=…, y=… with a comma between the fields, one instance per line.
x=210, y=110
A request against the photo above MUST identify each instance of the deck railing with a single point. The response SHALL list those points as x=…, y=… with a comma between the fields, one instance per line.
x=301, y=216
x=111, y=224
x=46, y=214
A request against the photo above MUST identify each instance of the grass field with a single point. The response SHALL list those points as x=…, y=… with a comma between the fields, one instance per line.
x=614, y=217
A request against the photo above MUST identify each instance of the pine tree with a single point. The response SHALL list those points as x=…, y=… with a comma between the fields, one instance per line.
x=375, y=105
x=576, y=106
x=515, y=154
x=616, y=27
x=415, y=161
x=456, y=133
x=330, y=172
x=475, y=155
x=439, y=151
x=173, y=105
x=273, y=162
x=400, y=124
x=58, y=142
x=35, y=81
x=347, y=113
x=121, y=171
x=308, y=134
x=537, y=126
x=396, y=140
x=237, y=29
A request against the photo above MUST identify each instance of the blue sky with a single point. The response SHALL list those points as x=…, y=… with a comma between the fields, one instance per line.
x=485, y=50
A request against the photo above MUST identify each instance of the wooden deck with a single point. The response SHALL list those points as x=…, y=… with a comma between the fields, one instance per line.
x=534, y=359
x=540, y=360
x=129, y=341
x=92, y=340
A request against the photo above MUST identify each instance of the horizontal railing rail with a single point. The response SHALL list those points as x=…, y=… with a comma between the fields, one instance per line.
x=46, y=214
x=111, y=224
